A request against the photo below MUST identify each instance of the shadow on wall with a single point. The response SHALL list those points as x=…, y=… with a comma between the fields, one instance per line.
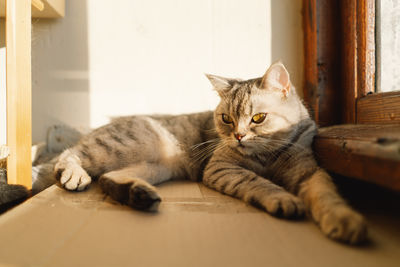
x=60, y=84
x=287, y=38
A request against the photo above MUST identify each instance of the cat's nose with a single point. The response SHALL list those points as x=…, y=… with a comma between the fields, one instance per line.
x=239, y=136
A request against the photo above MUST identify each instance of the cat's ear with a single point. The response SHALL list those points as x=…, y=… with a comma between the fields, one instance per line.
x=276, y=77
x=219, y=83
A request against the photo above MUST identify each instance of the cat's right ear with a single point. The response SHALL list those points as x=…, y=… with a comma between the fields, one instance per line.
x=220, y=84
x=276, y=77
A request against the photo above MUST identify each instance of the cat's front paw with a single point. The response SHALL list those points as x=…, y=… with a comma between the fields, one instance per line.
x=73, y=177
x=283, y=204
x=345, y=225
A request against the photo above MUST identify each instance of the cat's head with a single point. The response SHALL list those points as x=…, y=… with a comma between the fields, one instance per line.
x=258, y=113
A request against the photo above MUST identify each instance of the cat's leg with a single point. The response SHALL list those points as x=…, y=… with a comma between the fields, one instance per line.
x=244, y=184
x=69, y=171
x=133, y=185
x=335, y=218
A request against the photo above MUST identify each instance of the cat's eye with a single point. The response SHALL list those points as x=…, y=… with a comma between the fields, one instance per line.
x=226, y=118
x=259, y=117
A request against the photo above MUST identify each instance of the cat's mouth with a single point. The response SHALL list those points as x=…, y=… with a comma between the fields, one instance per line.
x=242, y=147
x=237, y=144
x=240, y=144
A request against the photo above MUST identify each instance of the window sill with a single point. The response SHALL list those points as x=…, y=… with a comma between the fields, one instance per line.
x=367, y=152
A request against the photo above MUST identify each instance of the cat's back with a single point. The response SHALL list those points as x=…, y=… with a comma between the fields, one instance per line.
x=155, y=138
x=188, y=129
x=135, y=127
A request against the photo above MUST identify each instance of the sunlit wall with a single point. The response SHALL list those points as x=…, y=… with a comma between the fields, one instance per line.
x=110, y=58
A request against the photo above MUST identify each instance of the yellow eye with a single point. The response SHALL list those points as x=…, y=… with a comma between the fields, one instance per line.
x=226, y=118
x=259, y=118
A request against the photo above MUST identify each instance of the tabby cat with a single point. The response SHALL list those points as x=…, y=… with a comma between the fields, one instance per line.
x=256, y=146
x=10, y=194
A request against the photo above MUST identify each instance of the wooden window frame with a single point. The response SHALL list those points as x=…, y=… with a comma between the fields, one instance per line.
x=339, y=49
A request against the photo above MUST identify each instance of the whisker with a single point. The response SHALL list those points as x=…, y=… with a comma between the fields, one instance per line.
x=204, y=143
x=203, y=153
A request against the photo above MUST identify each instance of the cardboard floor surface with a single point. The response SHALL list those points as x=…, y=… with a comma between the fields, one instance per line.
x=194, y=227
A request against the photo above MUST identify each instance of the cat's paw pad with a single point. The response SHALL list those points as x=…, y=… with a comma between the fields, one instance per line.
x=345, y=225
x=73, y=178
x=143, y=197
x=284, y=205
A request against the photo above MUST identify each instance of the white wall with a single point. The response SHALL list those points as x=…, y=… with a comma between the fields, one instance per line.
x=153, y=56
x=109, y=58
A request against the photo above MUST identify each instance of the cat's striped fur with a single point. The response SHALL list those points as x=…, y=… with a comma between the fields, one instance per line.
x=266, y=162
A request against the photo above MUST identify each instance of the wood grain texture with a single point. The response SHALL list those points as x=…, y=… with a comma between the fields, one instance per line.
x=365, y=47
x=322, y=60
x=341, y=53
x=19, y=125
x=348, y=61
x=381, y=108
x=367, y=152
x=328, y=61
x=310, y=57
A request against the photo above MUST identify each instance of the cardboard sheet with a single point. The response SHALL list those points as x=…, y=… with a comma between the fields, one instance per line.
x=194, y=227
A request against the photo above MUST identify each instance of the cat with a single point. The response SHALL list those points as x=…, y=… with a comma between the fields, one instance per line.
x=10, y=194
x=13, y=194
x=255, y=146
x=44, y=156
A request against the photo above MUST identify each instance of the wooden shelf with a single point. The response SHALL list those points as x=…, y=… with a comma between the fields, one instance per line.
x=18, y=14
x=51, y=9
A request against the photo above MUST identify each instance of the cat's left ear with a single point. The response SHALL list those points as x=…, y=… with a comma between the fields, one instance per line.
x=220, y=84
x=276, y=77
x=218, y=81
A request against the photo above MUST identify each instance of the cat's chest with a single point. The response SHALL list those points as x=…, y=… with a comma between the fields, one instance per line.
x=264, y=165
